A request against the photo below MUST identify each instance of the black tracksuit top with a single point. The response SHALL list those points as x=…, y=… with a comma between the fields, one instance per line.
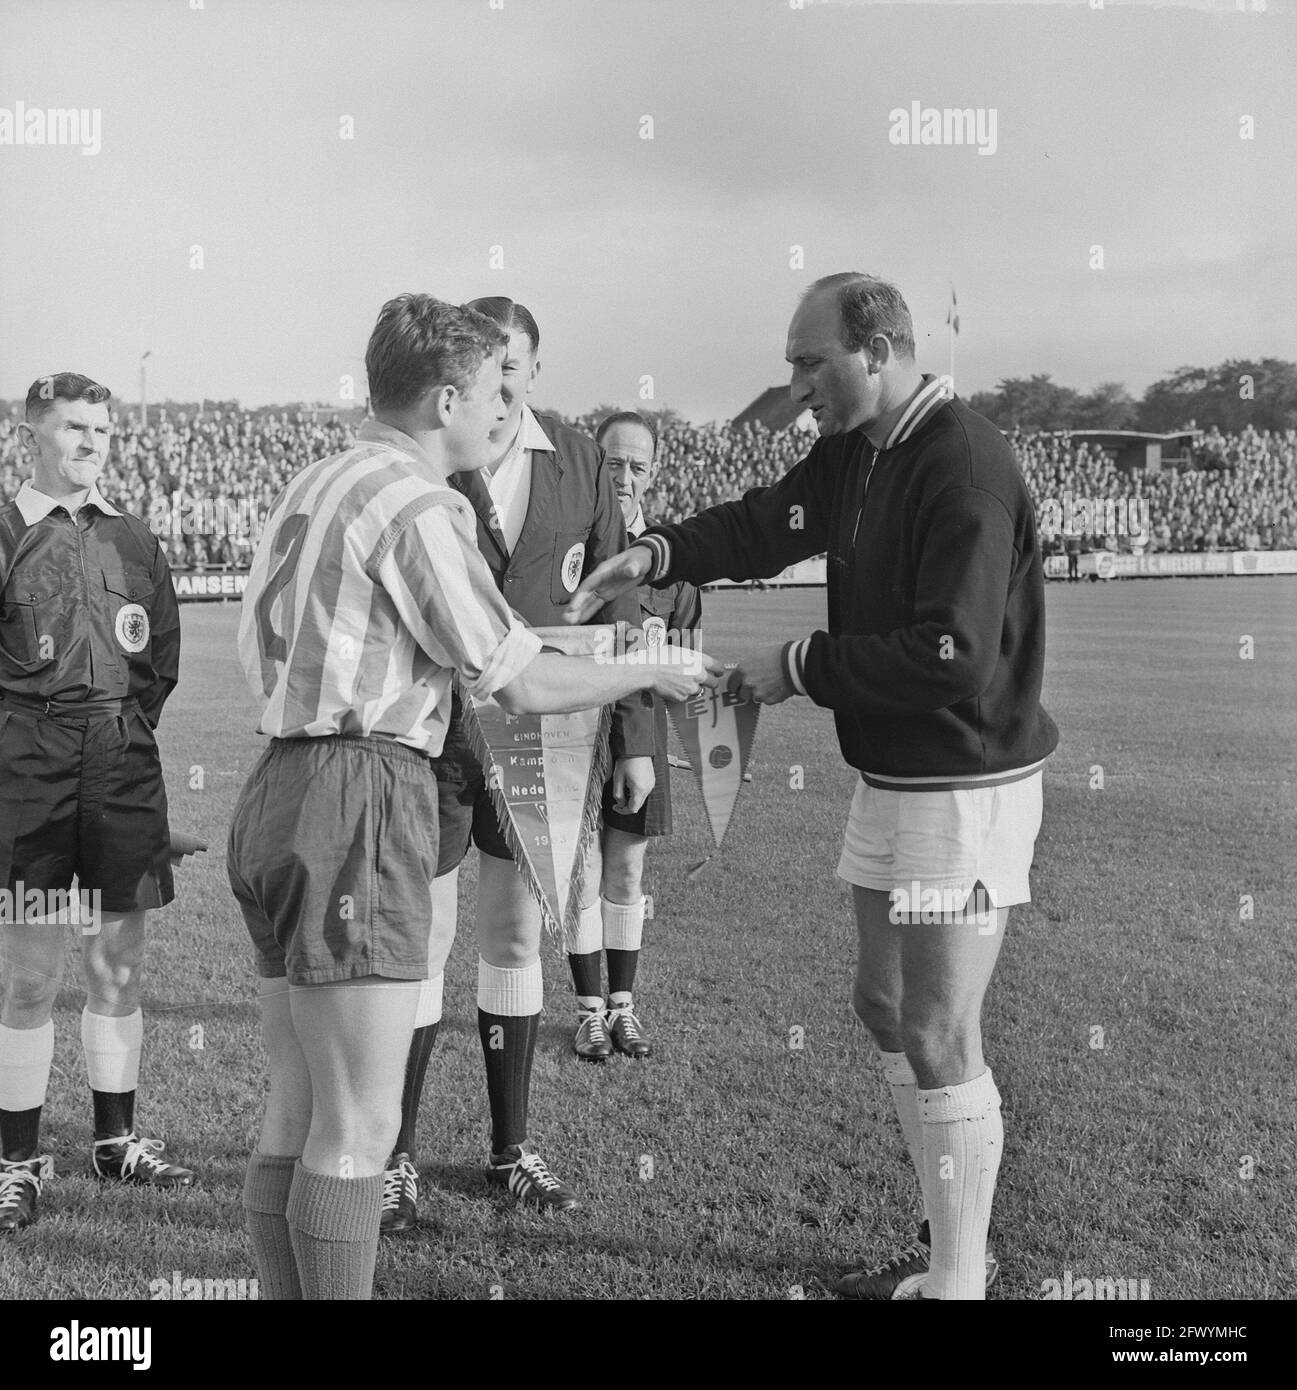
x=934, y=653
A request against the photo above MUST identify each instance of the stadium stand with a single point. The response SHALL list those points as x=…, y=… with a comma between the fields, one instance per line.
x=1241, y=493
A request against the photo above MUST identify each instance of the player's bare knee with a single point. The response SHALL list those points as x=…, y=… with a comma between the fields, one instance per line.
x=622, y=883
x=28, y=1002
x=371, y=1136
x=114, y=978
x=876, y=1010
x=938, y=1044
x=510, y=954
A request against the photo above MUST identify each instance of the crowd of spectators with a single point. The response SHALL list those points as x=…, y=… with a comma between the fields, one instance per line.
x=204, y=479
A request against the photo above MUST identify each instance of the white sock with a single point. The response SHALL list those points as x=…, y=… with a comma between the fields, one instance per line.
x=623, y=924
x=590, y=1002
x=112, y=1047
x=25, y=1058
x=510, y=993
x=900, y=1077
x=963, y=1137
x=587, y=936
x=621, y=999
x=428, y=1009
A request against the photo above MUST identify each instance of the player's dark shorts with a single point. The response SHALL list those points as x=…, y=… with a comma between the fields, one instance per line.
x=654, y=817
x=331, y=856
x=468, y=813
x=464, y=804
x=82, y=794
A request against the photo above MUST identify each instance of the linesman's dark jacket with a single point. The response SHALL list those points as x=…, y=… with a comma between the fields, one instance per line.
x=87, y=608
x=573, y=503
x=935, y=648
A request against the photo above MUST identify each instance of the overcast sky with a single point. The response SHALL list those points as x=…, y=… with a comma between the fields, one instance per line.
x=521, y=127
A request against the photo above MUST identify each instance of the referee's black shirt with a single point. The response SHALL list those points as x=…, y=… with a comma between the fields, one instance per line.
x=87, y=609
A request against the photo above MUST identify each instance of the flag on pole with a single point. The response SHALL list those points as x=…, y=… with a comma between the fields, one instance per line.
x=545, y=774
x=716, y=731
x=952, y=314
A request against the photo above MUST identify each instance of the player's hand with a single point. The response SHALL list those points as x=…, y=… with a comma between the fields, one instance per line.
x=632, y=781
x=686, y=682
x=763, y=677
x=605, y=582
x=182, y=844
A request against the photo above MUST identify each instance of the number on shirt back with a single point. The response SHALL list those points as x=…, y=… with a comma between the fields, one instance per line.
x=288, y=545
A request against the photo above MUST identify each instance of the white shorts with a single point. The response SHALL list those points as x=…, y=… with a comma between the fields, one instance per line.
x=944, y=841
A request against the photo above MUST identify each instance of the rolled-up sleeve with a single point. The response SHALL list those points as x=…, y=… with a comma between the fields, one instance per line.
x=444, y=594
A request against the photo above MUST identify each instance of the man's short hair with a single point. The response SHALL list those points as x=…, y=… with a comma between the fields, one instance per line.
x=61, y=386
x=420, y=343
x=627, y=417
x=510, y=315
x=869, y=306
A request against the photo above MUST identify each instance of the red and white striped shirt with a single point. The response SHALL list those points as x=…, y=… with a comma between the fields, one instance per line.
x=366, y=592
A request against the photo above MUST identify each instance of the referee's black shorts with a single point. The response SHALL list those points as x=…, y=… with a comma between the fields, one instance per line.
x=84, y=797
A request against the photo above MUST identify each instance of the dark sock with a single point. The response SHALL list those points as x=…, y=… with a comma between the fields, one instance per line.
x=621, y=971
x=508, y=1074
x=585, y=974
x=114, y=1113
x=20, y=1133
x=416, y=1065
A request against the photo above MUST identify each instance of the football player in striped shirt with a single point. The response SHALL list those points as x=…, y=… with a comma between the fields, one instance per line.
x=366, y=594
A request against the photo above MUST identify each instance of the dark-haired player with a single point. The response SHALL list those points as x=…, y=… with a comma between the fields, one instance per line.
x=89, y=653
x=612, y=923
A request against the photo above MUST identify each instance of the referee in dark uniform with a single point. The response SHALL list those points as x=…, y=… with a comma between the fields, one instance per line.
x=89, y=653
x=612, y=918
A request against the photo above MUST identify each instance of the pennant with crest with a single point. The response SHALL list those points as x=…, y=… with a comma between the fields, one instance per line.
x=716, y=730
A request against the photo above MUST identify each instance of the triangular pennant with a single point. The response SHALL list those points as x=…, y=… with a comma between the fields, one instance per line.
x=716, y=731
x=545, y=773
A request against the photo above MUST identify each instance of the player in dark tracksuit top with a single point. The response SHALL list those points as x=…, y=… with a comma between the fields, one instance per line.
x=547, y=515
x=89, y=653
x=932, y=664
x=613, y=905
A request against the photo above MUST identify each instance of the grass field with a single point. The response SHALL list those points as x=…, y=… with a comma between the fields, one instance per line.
x=774, y=1166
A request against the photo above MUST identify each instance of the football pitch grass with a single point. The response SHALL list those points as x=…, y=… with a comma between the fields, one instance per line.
x=1139, y=1024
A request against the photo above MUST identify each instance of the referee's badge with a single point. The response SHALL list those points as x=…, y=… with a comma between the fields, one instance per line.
x=572, y=563
x=132, y=628
x=655, y=632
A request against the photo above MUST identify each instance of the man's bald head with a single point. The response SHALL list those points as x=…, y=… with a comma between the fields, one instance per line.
x=868, y=306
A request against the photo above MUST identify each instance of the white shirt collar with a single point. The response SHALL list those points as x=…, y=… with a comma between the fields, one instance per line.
x=531, y=434
x=636, y=526
x=34, y=505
